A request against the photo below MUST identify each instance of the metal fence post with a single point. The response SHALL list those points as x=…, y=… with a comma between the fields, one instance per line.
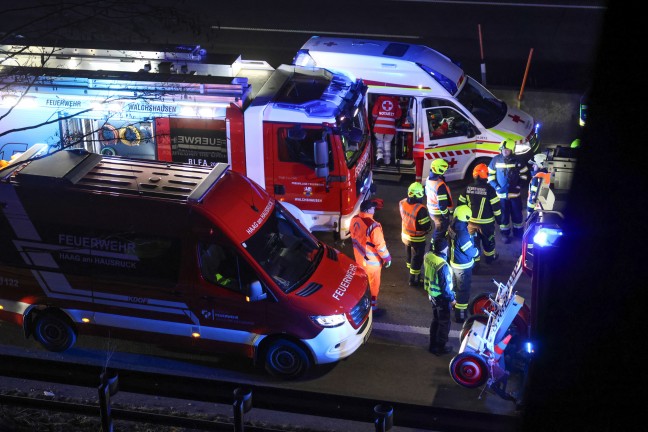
x=109, y=385
x=384, y=417
x=242, y=404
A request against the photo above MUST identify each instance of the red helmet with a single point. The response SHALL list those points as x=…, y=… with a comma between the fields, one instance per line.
x=480, y=171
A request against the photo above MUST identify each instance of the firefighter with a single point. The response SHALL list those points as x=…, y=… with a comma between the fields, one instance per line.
x=438, y=284
x=462, y=254
x=416, y=224
x=486, y=210
x=540, y=176
x=506, y=175
x=385, y=112
x=369, y=248
x=439, y=203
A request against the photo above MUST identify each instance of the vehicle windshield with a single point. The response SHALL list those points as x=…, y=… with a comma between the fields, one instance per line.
x=489, y=110
x=354, y=136
x=285, y=249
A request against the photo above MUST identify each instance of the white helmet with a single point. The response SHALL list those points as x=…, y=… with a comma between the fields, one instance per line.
x=539, y=160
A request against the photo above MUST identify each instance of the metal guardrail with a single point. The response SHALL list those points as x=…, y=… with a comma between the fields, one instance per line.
x=222, y=392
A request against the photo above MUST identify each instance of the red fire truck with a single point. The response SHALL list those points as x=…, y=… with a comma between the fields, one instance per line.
x=301, y=133
x=194, y=257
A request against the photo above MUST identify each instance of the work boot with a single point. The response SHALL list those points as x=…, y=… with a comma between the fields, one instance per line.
x=518, y=233
x=506, y=239
x=477, y=266
x=440, y=351
x=460, y=316
x=491, y=259
x=415, y=281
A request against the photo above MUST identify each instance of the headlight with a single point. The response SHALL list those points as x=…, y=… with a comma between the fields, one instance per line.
x=329, y=320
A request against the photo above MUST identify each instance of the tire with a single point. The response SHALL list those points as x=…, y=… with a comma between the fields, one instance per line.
x=469, y=370
x=479, y=303
x=467, y=325
x=54, y=331
x=286, y=360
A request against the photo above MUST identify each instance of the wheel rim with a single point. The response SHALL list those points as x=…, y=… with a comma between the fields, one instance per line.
x=480, y=303
x=285, y=361
x=469, y=371
x=54, y=333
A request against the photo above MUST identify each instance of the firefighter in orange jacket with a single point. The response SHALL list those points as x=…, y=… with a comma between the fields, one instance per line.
x=439, y=203
x=416, y=223
x=369, y=248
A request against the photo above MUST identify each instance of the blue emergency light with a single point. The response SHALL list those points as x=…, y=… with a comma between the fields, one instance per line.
x=547, y=236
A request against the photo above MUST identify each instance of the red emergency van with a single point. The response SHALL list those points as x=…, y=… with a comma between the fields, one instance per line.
x=197, y=257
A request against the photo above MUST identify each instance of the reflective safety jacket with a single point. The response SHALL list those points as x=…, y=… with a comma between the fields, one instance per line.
x=437, y=277
x=483, y=201
x=506, y=176
x=439, y=198
x=462, y=250
x=540, y=177
x=386, y=111
x=416, y=222
x=368, y=240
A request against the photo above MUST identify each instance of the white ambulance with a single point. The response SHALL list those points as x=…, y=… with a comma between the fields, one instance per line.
x=446, y=113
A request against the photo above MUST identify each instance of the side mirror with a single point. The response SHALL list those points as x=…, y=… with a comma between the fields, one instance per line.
x=470, y=132
x=320, y=151
x=256, y=292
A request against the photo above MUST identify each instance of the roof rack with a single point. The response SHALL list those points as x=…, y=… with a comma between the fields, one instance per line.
x=80, y=169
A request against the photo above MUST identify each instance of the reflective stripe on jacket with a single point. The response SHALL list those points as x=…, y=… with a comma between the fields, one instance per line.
x=483, y=202
x=368, y=241
x=415, y=221
x=541, y=177
x=439, y=198
x=462, y=248
x=386, y=111
x=506, y=176
x=437, y=277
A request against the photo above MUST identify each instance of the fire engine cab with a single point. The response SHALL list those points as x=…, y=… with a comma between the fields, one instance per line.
x=301, y=133
x=446, y=113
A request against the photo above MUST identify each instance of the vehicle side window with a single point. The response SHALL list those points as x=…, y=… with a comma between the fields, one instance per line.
x=296, y=144
x=221, y=265
x=444, y=122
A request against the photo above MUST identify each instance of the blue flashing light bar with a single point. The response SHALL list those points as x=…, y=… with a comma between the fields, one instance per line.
x=547, y=237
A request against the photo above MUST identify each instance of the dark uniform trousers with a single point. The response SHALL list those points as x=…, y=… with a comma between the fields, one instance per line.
x=484, y=236
x=440, y=325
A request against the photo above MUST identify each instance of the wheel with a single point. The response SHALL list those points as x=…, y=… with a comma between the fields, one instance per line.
x=479, y=303
x=285, y=359
x=54, y=332
x=467, y=325
x=469, y=370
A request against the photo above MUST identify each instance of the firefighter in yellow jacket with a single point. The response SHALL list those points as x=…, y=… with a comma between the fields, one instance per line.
x=369, y=248
x=416, y=224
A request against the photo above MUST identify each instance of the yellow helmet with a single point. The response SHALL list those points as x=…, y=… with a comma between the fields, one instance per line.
x=463, y=213
x=415, y=190
x=575, y=143
x=507, y=143
x=439, y=166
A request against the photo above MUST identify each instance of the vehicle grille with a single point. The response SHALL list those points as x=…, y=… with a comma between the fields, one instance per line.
x=361, y=310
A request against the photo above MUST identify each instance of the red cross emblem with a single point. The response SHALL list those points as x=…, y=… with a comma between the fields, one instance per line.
x=516, y=118
x=452, y=163
x=387, y=105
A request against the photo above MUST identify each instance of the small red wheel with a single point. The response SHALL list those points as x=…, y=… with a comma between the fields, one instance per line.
x=469, y=370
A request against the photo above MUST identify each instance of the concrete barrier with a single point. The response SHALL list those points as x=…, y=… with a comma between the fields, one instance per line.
x=557, y=112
